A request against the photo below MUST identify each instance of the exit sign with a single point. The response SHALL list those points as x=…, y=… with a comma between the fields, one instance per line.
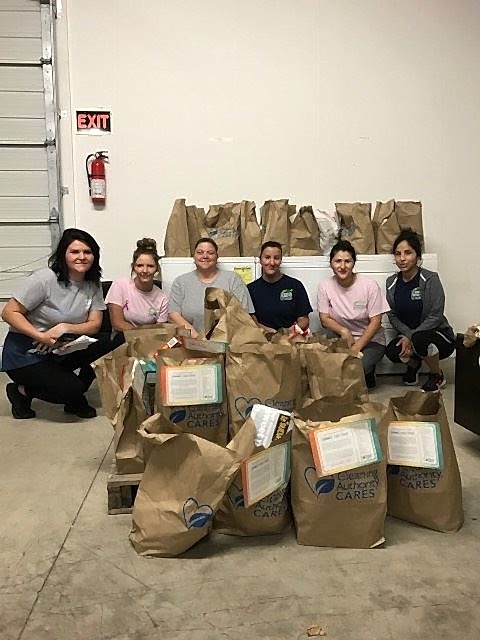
x=94, y=121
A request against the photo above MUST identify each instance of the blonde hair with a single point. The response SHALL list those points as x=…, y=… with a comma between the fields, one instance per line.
x=146, y=247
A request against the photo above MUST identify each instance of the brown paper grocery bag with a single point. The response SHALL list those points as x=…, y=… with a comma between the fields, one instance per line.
x=209, y=421
x=275, y=221
x=282, y=336
x=227, y=321
x=151, y=335
x=333, y=371
x=128, y=446
x=356, y=225
x=409, y=216
x=123, y=406
x=223, y=225
x=332, y=345
x=146, y=344
x=323, y=343
x=299, y=342
x=109, y=373
x=261, y=374
x=385, y=226
x=123, y=402
x=347, y=509
x=196, y=225
x=426, y=497
x=185, y=480
x=250, y=231
x=269, y=516
x=304, y=234
x=177, y=243
x=127, y=401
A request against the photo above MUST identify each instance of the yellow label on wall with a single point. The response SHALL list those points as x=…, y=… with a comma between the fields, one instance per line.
x=245, y=273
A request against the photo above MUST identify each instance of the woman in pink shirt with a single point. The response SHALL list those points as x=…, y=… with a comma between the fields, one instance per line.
x=137, y=300
x=351, y=306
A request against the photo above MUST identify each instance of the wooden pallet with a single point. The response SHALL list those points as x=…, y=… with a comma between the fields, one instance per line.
x=121, y=491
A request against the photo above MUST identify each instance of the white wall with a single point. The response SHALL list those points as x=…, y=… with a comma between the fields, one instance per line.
x=314, y=100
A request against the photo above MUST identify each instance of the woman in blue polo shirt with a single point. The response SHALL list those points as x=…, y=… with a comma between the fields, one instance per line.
x=417, y=302
x=280, y=301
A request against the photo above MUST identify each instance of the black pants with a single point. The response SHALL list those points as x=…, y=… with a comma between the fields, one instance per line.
x=421, y=341
x=54, y=379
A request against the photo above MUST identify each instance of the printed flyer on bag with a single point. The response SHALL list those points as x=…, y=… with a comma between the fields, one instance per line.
x=265, y=472
x=343, y=446
x=415, y=444
x=191, y=384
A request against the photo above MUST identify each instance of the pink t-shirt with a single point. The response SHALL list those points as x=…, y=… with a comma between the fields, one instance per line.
x=139, y=307
x=352, y=307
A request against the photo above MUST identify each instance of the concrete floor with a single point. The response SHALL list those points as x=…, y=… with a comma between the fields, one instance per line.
x=68, y=571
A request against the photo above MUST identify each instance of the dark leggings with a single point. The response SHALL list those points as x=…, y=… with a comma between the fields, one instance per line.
x=421, y=341
x=53, y=379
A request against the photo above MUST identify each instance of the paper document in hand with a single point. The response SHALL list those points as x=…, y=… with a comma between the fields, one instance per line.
x=342, y=446
x=82, y=342
x=191, y=385
x=265, y=472
x=270, y=424
x=415, y=444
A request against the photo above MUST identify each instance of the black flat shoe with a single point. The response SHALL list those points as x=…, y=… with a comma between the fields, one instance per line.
x=85, y=411
x=21, y=409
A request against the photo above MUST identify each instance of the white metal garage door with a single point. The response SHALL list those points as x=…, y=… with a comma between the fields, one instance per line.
x=29, y=191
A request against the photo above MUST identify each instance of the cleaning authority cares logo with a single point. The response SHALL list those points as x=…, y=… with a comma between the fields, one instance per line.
x=348, y=485
x=415, y=477
x=204, y=415
x=273, y=506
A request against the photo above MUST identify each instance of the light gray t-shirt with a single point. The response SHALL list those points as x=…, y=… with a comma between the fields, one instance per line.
x=187, y=295
x=50, y=302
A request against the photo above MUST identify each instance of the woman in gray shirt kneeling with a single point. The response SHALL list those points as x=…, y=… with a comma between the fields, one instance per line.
x=64, y=298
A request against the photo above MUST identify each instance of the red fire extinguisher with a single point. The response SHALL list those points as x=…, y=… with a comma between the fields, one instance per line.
x=97, y=183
